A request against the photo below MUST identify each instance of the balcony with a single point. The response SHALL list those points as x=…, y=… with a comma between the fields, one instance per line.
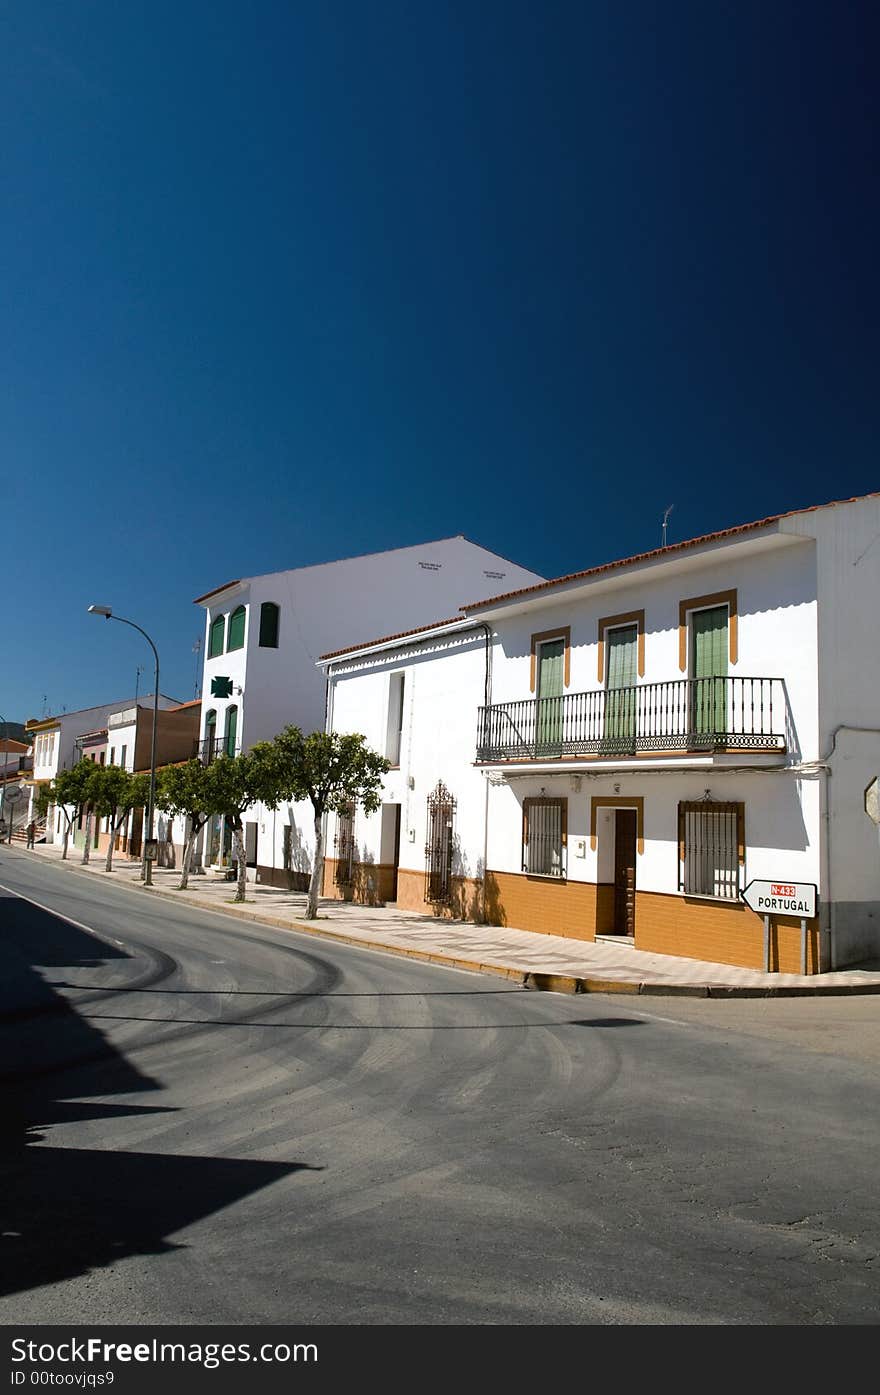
x=696, y=715
x=212, y=747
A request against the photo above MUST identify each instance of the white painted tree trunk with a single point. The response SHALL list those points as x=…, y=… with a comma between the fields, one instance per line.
x=317, y=871
x=114, y=829
x=191, y=838
x=88, y=843
x=238, y=852
x=65, y=837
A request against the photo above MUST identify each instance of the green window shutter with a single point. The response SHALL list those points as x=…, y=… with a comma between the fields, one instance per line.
x=268, y=625
x=231, y=730
x=215, y=644
x=235, y=639
x=709, y=634
x=623, y=645
x=551, y=659
x=620, y=700
x=711, y=646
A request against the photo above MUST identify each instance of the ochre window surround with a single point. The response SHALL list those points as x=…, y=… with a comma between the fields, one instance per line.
x=727, y=598
x=562, y=632
x=610, y=622
x=617, y=801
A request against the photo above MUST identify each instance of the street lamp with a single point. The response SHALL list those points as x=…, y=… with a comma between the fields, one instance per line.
x=108, y=615
x=5, y=764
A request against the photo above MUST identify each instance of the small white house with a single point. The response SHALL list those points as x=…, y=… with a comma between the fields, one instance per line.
x=620, y=752
x=263, y=635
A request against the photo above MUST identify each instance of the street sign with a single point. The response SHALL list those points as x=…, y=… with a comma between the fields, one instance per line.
x=872, y=801
x=781, y=898
x=151, y=849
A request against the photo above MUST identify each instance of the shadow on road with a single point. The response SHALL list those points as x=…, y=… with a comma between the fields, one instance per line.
x=66, y=1210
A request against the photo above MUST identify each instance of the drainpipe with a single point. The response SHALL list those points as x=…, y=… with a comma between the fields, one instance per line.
x=832, y=917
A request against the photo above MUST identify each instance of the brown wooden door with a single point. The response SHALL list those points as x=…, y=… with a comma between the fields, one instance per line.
x=624, y=871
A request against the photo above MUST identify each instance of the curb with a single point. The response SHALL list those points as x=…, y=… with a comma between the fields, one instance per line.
x=534, y=980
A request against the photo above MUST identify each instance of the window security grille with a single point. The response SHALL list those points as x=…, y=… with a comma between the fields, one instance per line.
x=438, y=849
x=344, y=846
x=711, y=849
x=544, y=837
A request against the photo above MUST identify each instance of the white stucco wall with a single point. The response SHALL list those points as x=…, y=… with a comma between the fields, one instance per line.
x=332, y=605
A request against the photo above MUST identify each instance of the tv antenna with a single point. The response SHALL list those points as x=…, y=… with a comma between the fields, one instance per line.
x=665, y=525
x=137, y=681
x=197, y=649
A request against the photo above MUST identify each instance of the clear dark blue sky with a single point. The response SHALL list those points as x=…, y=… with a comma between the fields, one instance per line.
x=283, y=282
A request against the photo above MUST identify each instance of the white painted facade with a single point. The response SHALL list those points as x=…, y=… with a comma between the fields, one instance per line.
x=805, y=591
x=321, y=608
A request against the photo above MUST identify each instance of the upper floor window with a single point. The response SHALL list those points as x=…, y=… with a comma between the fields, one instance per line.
x=394, y=729
x=235, y=639
x=229, y=744
x=215, y=640
x=269, y=613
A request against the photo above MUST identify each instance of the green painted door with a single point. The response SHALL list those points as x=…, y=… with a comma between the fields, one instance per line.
x=231, y=729
x=710, y=647
x=551, y=658
x=620, y=699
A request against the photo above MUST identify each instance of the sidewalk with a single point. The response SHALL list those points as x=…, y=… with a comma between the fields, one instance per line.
x=548, y=962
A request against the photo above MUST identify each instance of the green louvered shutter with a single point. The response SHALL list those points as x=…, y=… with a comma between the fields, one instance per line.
x=551, y=659
x=622, y=671
x=709, y=632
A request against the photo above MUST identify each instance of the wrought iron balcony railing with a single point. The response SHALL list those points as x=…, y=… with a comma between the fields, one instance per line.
x=687, y=714
x=212, y=747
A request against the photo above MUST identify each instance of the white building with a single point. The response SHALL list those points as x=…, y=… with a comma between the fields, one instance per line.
x=621, y=751
x=55, y=748
x=263, y=636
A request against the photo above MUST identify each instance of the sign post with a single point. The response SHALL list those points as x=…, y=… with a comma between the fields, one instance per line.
x=782, y=898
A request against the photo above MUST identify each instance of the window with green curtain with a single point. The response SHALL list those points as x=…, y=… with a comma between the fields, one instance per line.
x=551, y=661
x=235, y=638
x=210, y=731
x=215, y=642
x=621, y=669
x=231, y=730
x=709, y=650
x=268, y=625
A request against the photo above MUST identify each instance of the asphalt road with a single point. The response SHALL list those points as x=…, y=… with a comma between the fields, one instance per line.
x=208, y=1121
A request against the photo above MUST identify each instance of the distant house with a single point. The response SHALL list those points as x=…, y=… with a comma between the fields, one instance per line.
x=56, y=746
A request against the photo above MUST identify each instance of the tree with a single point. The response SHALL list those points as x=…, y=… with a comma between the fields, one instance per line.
x=332, y=771
x=113, y=792
x=232, y=784
x=69, y=790
x=184, y=790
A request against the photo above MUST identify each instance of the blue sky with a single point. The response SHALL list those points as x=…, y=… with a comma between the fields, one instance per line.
x=288, y=282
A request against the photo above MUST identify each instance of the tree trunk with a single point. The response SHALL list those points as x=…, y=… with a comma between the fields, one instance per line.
x=64, y=840
x=189, y=844
x=114, y=829
x=317, y=870
x=88, y=842
x=238, y=853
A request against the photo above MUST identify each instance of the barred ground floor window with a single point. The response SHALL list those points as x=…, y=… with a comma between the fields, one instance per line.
x=344, y=847
x=545, y=835
x=711, y=848
x=439, y=844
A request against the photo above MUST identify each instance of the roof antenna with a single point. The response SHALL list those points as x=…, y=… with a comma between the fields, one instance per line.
x=196, y=650
x=665, y=522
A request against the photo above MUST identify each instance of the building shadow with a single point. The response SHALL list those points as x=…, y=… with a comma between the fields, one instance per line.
x=65, y=1210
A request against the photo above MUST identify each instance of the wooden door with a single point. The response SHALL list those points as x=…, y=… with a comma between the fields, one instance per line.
x=624, y=871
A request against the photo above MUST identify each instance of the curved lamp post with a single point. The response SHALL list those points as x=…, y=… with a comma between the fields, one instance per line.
x=108, y=615
x=5, y=763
